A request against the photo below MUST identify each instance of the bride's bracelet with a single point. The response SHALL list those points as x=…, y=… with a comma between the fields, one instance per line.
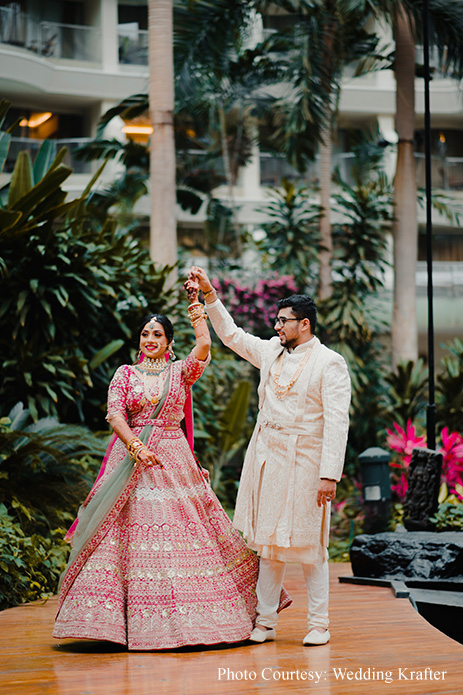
x=140, y=450
x=133, y=446
x=196, y=313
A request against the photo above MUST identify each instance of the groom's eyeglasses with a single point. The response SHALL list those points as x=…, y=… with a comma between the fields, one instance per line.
x=282, y=320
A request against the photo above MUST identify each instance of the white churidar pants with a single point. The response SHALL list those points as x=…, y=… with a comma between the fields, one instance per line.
x=270, y=581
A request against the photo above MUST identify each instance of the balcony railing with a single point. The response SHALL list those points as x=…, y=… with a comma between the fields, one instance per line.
x=273, y=168
x=32, y=146
x=133, y=45
x=70, y=41
x=49, y=39
x=446, y=172
x=447, y=278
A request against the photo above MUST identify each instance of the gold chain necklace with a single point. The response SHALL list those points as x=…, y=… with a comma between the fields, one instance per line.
x=282, y=391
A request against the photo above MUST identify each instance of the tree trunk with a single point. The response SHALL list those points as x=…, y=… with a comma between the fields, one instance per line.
x=404, y=326
x=231, y=180
x=163, y=227
x=325, y=281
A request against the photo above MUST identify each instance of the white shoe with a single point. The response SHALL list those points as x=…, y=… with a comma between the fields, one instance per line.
x=314, y=637
x=258, y=635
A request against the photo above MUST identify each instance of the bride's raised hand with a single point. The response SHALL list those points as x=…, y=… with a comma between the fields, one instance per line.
x=192, y=290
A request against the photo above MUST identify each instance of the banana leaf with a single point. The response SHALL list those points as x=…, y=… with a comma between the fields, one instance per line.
x=234, y=416
x=21, y=179
x=106, y=352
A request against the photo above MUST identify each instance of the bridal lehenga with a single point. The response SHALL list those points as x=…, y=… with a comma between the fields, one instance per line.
x=156, y=562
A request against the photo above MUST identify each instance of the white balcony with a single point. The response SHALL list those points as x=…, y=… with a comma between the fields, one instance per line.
x=50, y=39
x=32, y=146
x=446, y=172
x=133, y=45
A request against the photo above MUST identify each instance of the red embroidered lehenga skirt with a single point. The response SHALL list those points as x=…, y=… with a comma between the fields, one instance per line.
x=168, y=569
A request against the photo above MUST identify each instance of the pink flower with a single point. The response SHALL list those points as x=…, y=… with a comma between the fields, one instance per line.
x=405, y=441
x=400, y=487
x=452, y=460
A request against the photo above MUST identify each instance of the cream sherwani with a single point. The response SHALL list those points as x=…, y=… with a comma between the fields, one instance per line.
x=297, y=440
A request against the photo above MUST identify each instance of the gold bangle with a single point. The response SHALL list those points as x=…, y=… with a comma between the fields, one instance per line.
x=209, y=292
x=195, y=322
x=133, y=445
x=139, y=450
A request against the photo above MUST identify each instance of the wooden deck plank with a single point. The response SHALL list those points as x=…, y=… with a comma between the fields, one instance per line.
x=371, y=629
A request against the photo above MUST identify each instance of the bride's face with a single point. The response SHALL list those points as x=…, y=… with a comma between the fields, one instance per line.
x=153, y=341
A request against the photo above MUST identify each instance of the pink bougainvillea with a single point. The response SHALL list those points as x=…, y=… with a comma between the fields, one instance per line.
x=404, y=441
x=252, y=304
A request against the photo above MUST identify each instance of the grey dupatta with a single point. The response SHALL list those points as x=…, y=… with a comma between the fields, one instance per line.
x=93, y=515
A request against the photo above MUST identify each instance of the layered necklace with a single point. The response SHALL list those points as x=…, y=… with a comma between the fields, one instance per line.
x=280, y=390
x=152, y=367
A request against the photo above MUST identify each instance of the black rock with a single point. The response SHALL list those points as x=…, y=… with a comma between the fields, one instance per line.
x=403, y=555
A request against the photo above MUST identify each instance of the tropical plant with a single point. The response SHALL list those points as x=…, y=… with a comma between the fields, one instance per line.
x=31, y=564
x=446, y=33
x=46, y=469
x=323, y=39
x=350, y=321
x=449, y=517
x=72, y=285
x=290, y=246
x=449, y=387
x=404, y=395
x=199, y=172
x=233, y=438
x=404, y=440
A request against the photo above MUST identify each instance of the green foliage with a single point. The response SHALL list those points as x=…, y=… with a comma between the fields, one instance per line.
x=46, y=469
x=30, y=564
x=449, y=517
x=350, y=320
x=320, y=41
x=404, y=396
x=347, y=519
x=291, y=244
x=449, y=387
x=223, y=424
x=74, y=284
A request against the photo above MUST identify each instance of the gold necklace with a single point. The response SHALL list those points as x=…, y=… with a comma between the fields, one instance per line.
x=152, y=365
x=282, y=391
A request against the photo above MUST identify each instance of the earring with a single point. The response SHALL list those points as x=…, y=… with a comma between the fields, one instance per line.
x=139, y=356
x=171, y=351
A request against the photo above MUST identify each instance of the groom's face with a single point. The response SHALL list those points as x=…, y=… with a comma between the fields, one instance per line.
x=290, y=328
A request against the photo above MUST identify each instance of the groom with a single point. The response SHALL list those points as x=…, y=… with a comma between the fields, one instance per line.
x=295, y=456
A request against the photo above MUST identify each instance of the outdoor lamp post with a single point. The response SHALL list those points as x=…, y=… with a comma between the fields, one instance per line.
x=376, y=488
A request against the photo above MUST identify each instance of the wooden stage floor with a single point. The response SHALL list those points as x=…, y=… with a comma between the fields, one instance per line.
x=379, y=645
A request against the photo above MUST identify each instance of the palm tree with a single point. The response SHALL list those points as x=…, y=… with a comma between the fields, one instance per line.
x=220, y=77
x=322, y=42
x=333, y=19
x=163, y=228
x=446, y=32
